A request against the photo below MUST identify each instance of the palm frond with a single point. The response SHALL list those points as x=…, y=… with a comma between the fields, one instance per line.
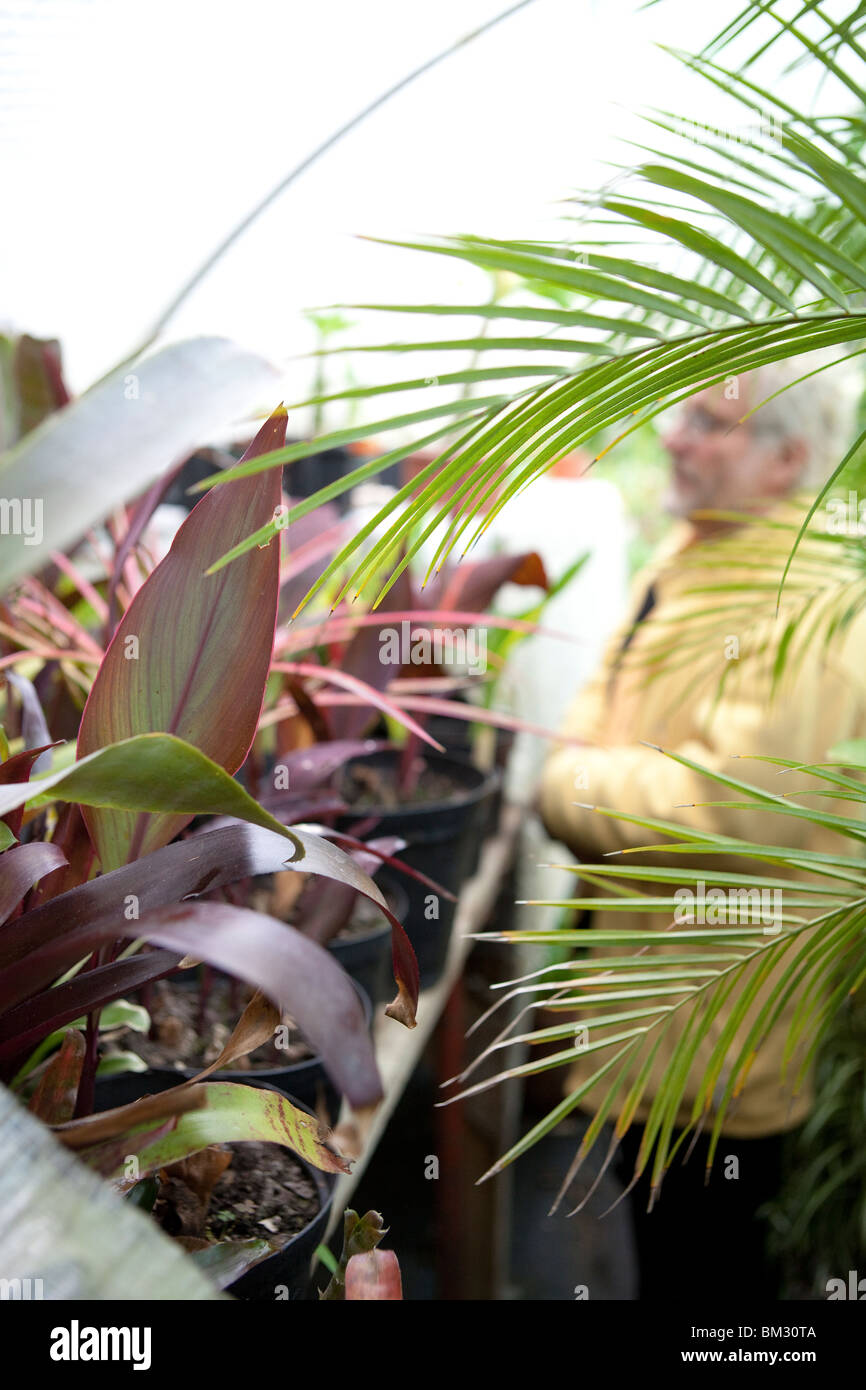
x=812, y=956
x=702, y=259
x=766, y=265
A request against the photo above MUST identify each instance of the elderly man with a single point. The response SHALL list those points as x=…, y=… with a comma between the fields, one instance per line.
x=660, y=685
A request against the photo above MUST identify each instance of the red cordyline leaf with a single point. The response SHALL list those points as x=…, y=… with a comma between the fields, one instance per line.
x=71, y=837
x=452, y=709
x=376, y=852
x=374, y=1274
x=300, y=976
x=181, y=871
x=82, y=584
x=139, y=518
x=21, y=867
x=38, y=374
x=18, y=769
x=363, y=659
x=22, y=1028
x=38, y=944
x=327, y=905
x=369, y=694
x=47, y=653
x=342, y=625
x=54, y=1098
x=51, y=618
x=307, y=768
x=475, y=583
x=191, y=654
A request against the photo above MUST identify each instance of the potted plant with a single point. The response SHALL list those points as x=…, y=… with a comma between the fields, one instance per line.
x=151, y=757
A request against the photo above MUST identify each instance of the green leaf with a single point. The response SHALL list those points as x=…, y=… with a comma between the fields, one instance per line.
x=121, y=1013
x=794, y=244
x=230, y=1113
x=491, y=256
x=226, y=1260
x=120, y=1062
x=151, y=772
x=709, y=247
x=346, y=436
x=565, y=318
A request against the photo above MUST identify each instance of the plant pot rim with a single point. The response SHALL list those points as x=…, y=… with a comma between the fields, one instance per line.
x=360, y=938
x=486, y=783
x=268, y=1075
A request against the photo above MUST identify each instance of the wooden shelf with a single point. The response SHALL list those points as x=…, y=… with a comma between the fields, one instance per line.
x=398, y=1049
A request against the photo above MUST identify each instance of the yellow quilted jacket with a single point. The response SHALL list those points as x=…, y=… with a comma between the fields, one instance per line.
x=664, y=690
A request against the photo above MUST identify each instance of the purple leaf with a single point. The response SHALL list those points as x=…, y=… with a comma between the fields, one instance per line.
x=474, y=585
x=301, y=978
x=34, y=729
x=23, y=1027
x=20, y=868
x=18, y=769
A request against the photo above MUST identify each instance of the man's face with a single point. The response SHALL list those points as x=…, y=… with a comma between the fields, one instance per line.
x=720, y=465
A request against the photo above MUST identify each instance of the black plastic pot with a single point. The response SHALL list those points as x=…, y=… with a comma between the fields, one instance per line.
x=286, y=1273
x=442, y=842
x=367, y=958
x=305, y=476
x=305, y=1081
x=301, y=478
x=455, y=735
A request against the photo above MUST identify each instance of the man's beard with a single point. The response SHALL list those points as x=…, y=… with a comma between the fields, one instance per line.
x=676, y=505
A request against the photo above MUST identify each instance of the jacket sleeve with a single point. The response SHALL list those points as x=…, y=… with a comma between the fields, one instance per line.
x=643, y=781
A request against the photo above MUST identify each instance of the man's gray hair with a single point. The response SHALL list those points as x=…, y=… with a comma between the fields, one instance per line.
x=821, y=411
